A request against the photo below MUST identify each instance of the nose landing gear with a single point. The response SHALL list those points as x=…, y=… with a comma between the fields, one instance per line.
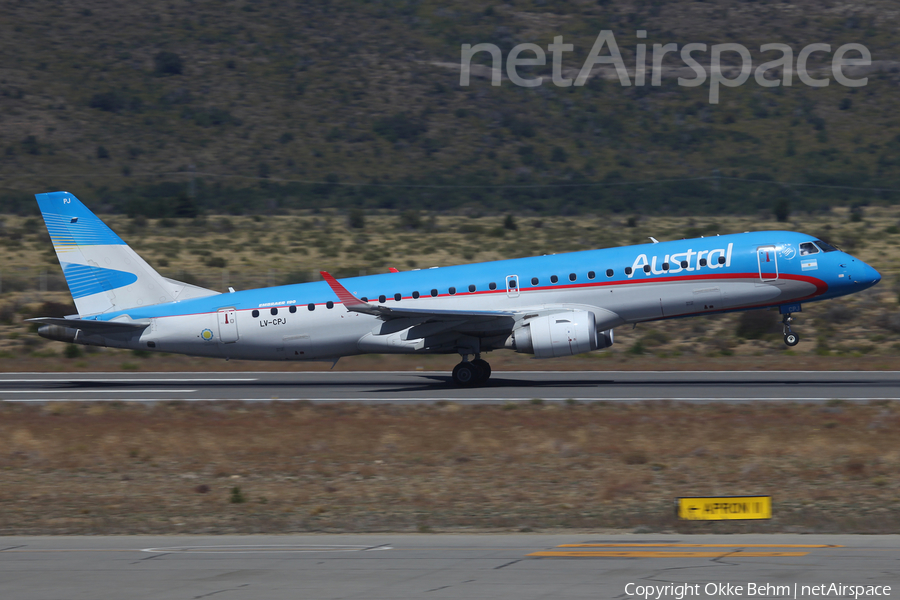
x=468, y=374
x=790, y=338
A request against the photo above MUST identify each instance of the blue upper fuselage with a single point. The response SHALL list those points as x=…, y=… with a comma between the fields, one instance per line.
x=765, y=256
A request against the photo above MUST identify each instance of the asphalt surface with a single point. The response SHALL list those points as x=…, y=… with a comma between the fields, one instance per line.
x=399, y=567
x=416, y=387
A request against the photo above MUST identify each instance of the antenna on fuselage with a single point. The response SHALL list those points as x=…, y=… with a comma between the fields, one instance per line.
x=655, y=241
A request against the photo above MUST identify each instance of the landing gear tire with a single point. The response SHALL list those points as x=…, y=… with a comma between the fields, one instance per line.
x=484, y=369
x=790, y=338
x=465, y=374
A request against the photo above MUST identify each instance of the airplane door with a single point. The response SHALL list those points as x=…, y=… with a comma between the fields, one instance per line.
x=228, y=333
x=768, y=263
x=512, y=286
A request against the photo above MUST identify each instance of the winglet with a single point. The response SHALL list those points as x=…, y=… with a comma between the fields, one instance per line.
x=350, y=301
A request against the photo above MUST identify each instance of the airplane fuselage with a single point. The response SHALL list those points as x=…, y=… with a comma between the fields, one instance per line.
x=618, y=286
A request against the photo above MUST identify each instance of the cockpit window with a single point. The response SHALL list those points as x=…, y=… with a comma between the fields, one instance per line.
x=825, y=246
x=808, y=248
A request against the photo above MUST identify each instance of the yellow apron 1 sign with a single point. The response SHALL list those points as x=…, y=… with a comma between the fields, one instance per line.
x=724, y=508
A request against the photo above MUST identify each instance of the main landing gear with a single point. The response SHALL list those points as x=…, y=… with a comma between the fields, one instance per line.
x=790, y=338
x=468, y=374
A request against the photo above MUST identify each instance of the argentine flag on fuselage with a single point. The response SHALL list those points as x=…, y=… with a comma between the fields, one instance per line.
x=103, y=273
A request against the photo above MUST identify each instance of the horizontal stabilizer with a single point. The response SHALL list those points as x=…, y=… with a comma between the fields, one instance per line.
x=92, y=326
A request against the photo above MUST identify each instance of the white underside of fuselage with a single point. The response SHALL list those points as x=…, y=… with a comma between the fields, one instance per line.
x=330, y=333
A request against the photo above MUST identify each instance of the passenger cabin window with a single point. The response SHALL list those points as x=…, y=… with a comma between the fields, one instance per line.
x=471, y=287
x=628, y=270
x=512, y=284
x=416, y=295
x=452, y=291
x=434, y=293
x=572, y=276
x=274, y=311
x=382, y=298
x=255, y=313
x=591, y=274
x=311, y=306
x=808, y=248
x=492, y=286
x=534, y=280
x=609, y=272
x=825, y=246
x=328, y=305
x=397, y=297
x=684, y=264
x=721, y=260
x=293, y=309
x=702, y=262
x=554, y=279
x=364, y=299
x=646, y=268
x=665, y=266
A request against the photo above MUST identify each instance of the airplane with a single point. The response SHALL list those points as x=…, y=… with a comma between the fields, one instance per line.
x=546, y=306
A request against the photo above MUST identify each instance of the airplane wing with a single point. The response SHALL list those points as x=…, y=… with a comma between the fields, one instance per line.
x=354, y=304
x=92, y=326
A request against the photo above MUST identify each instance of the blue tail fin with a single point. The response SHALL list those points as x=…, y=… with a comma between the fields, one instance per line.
x=103, y=273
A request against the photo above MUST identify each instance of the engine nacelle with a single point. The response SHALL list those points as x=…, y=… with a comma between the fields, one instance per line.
x=562, y=334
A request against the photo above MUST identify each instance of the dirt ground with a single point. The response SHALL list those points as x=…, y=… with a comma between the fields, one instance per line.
x=123, y=468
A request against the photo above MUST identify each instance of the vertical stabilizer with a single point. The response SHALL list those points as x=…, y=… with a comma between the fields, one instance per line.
x=103, y=273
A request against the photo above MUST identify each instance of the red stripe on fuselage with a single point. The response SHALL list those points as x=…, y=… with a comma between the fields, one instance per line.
x=821, y=288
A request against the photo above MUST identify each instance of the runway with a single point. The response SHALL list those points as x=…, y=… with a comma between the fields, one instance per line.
x=416, y=566
x=418, y=387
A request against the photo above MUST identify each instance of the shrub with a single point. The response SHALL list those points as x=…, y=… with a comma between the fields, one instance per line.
x=216, y=262
x=510, y=223
x=356, y=219
x=115, y=101
x=400, y=126
x=410, y=219
x=237, y=497
x=781, y=210
x=72, y=351
x=210, y=117
x=559, y=155
x=636, y=458
x=168, y=63
x=754, y=324
x=31, y=145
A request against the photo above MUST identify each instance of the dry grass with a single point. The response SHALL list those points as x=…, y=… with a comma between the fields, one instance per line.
x=164, y=468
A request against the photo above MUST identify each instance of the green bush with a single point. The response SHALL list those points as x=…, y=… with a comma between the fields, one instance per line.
x=755, y=324
x=168, y=63
x=356, y=219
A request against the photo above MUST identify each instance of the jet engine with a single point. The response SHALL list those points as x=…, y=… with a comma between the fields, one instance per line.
x=561, y=334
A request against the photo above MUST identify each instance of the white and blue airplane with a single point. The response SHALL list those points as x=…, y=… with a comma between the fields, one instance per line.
x=548, y=306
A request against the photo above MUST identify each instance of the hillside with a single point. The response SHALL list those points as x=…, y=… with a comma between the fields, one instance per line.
x=261, y=106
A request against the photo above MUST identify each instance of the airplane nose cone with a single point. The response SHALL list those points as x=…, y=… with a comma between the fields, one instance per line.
x=875, y=275
x=867, y=275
